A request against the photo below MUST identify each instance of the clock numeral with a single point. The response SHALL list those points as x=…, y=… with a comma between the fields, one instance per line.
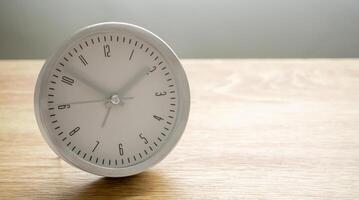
x=67, y=80
x=161, y=93
x=143, y=138
x=157, y=117
x=64, y=106
x=74, y=131
x=120, y=149
x=97, y=143
x=131, y=54
x=153, y=69
x=106, y=50
x=83, y=60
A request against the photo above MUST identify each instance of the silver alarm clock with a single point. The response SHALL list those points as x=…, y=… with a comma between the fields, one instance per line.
x=113, y=100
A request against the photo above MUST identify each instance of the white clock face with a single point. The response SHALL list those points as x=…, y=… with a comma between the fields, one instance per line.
x=110, y=99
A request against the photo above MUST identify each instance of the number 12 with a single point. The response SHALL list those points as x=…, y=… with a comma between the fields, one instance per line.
x=106, y=50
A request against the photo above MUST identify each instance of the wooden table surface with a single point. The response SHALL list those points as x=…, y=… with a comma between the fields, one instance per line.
x=258, y=129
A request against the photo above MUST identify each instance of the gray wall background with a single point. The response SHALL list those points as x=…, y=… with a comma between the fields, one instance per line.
x=194, y=29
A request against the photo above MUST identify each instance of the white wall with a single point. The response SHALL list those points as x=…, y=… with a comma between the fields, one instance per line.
x=195, y=29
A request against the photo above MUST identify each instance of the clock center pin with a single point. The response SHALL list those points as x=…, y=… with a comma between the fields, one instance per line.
x=115, y=99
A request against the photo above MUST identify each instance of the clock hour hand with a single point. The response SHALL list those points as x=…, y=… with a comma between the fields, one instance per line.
x=111, y=101
x=106, y=116
x=87, y=82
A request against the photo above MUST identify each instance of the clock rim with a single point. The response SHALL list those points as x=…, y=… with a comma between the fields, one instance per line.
x=183, y=103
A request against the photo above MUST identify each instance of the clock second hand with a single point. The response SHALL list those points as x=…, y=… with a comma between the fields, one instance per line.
x=92, y=101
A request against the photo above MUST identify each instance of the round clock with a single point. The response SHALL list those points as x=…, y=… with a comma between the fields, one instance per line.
x=113, y=100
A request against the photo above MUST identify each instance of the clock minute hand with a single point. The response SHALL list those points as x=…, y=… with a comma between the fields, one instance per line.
x=87, y=82
x=135, y=79
x=121, y=92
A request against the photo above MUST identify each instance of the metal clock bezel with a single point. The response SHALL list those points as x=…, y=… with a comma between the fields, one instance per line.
x=183, y=104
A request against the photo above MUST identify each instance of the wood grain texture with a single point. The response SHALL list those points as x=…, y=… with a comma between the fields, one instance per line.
x=258, y=129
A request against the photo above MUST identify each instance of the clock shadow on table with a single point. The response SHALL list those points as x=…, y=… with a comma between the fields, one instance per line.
x=148, y=183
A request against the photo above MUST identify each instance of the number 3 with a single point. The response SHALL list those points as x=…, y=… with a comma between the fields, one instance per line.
x=160, y=93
